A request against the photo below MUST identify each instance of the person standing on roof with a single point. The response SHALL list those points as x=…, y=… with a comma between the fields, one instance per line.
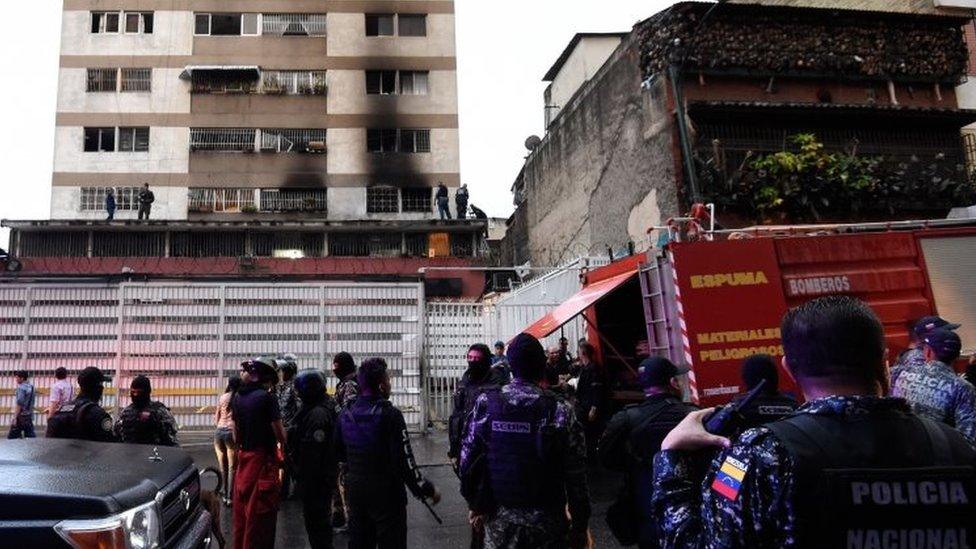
x=461, y=201
x=443, y=201
x=110, y=203
x=146, y=199
x=933, y=389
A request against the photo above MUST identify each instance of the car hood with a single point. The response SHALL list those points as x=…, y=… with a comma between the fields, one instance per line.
x=57, y=479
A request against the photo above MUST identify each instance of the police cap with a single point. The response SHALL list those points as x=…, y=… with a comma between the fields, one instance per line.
x=946, y=344
x=91, y=377
x=926, y=324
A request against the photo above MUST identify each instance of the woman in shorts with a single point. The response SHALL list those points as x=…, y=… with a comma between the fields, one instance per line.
x=224, y=437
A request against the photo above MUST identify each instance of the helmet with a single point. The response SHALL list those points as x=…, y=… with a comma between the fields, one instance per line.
x=262, y=368
x=310, y=385
x=287, y=363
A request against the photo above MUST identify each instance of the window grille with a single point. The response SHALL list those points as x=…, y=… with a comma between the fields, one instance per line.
x=415, y=141
x=416, y=200
x=417, y=245
x=382, y=200
x=93, y=198
x=293, y=24
x=207, y=244
x=294, y=200
x=365, y=245
x=222, y=139
x=295, y=82
x=270, y=244
x=102, y=80
x=128, y=244
x=202, y=200
x=461, y=245
x=136, y=80
x=133, y=139
x=53, y=244
x=293, y=140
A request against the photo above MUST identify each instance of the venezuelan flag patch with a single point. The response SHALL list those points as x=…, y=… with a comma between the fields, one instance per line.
x=728, y=480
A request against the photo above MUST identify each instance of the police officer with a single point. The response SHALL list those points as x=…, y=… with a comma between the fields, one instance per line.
x=311, y=447
x=372, y=440
x=347, y=389
x=933, y=388
x=523, y=460
x=477, y=378
x=145, y=421
x=915, y=354
x=630, y=441
x=83, y=418
x=846, y=470
x=288, y=404
x=499, y=362
x=771, y=405
x=260, y=436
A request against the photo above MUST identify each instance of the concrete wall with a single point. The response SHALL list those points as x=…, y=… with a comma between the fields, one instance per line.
x=347, y=37
x=172, y=35
x=169, y=94
x=169, y=152
x=604, y=173
x=585, y=61
x=347, y=95
x=347, y=154
x=171, y=203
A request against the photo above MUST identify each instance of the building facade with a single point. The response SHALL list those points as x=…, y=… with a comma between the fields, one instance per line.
x=254, y=110
x=683, y=111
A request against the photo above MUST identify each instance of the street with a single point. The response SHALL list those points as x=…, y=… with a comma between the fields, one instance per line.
x=423, y=530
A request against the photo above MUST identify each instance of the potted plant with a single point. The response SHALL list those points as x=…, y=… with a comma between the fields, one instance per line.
x=249, y=209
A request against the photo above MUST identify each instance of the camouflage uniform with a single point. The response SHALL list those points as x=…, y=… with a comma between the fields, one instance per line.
x=152, y=424
x=528, y=527
x=692, y=513
x=936, y=392
x=288, y=401
x=346, y=390
x=911, y=357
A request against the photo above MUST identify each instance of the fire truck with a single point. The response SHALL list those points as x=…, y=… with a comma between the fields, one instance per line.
x=716, y=297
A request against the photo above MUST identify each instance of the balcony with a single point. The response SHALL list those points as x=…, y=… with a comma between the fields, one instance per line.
x=251, y=80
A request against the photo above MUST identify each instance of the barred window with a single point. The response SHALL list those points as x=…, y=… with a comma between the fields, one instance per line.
x=133, y=139
x=99, y=139
x=93, y=198
x=417, y=244
x=415, y=141
x=222, y=139
x=382, y=200
x=294, y=200
x=293, y=24
x=416, y=199
x=293, y=141
x=379, y=24
x=136, y=80
x=102, y=80
x=202, y=200
x=295, y=82
x=412, y=25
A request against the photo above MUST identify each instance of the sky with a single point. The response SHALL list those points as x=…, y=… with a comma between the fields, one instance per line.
x=502, y=57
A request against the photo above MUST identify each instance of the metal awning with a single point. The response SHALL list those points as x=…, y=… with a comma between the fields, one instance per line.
x=247, y=71
x=577, y=304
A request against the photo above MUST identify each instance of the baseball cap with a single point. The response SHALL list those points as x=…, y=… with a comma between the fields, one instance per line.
x=928, y=323
x=657, y=371
x=91, y=377
x=946, y=344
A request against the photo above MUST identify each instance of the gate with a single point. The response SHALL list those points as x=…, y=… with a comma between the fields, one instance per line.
x=188, y=338
x=451, y=329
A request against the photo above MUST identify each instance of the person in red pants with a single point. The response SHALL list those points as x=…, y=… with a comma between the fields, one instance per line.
x=260, y=437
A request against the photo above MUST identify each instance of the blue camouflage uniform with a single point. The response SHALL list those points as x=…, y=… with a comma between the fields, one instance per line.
x=911, y=357
x=530, y=526
x=936, y=392
x=756, y=504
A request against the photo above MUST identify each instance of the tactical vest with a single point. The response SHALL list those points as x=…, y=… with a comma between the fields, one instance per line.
x=366, y=438
x=524, y=453
x=140, y=425
x=767, y=409
x=68, y=421
x=880, y=480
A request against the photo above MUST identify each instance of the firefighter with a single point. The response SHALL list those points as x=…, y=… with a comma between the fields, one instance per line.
x=145, y=421
x=933, y=388
x=311, y=446
x=523, y=460
x=771, y=405
x=915, y=354
x=843, y=471
x=371, y=438
x=83, y=418
x=630, y=441
x=260, y=436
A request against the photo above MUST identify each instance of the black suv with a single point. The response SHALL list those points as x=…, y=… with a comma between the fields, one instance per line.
x=70, y=493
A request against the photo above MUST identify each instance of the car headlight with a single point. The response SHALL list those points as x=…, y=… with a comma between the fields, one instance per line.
x=137, y=528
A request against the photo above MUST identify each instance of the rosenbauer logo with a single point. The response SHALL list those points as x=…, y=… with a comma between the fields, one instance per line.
x=748, y=278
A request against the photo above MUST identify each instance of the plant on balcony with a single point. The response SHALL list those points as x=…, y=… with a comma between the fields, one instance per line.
x=319, y=88
x=274, y=88
x=808, y=183
x=249, y=209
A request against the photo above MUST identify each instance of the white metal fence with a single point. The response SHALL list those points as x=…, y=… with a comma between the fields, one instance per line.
x=189, y=337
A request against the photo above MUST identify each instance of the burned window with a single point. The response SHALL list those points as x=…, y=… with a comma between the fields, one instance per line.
x=381, y=140
x=379, y=24
x=416, y=199
x=102, y=80
x=219, y=24
x=415, y=141
x=417, y=244
x=99, y=139
x=294, y=200
x=105, y=22
x=133, y=139
x=414, y=82
x=136, y=80
x=381, y=82
x=382, y=200
x=412, y=25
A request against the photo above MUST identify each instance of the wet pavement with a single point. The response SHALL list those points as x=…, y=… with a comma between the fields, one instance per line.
x=423, y=530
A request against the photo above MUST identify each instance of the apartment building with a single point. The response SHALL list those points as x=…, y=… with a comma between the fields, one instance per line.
x=256, y=110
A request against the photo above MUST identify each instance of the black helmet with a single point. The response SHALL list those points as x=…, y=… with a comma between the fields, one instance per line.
x=91, y=378
x=262, y=369
x=287, y=363
x=310, y=385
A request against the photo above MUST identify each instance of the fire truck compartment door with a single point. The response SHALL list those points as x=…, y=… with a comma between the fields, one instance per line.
x=575, y=305
x=951, y=263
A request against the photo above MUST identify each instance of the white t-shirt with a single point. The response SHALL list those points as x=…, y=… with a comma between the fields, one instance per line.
x=62, y=391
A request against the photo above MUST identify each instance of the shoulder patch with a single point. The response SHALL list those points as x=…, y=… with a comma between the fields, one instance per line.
x=107, y=424
x=729, y=477
x=319, y=436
